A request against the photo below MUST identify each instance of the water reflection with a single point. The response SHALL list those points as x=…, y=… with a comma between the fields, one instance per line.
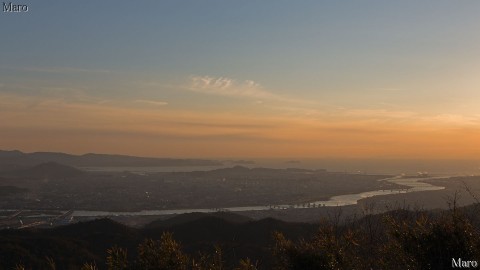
x=411, y=184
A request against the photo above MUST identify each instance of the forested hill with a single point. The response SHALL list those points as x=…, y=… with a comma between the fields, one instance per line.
x=73, y=245
x=400, y=239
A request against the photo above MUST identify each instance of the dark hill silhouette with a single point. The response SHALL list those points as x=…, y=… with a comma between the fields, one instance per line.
x=30, y=246
x=186, y=218
x=13, y=160
x=396, y=239
x=215, y=228
x=99, y=235
x=88, y=241
x=200, y=230
x=10, y=154
x=96, y=160
x=50, y=170
x=7, y=166
x=261, y=230
x=98, y=226
x=252, y=239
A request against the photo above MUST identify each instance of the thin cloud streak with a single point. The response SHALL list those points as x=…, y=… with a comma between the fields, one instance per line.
x=380, y=113
x=57, y=69
x=151, y=102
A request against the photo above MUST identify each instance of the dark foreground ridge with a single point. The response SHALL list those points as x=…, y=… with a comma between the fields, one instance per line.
x=400, y=239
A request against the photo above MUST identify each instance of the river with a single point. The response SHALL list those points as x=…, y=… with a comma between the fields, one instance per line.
x=411, y=184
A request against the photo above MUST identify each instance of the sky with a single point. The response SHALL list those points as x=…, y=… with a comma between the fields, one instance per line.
x=204, y=78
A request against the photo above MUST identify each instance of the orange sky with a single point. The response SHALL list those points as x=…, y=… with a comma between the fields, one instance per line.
x=293, y=79
x=75, y=127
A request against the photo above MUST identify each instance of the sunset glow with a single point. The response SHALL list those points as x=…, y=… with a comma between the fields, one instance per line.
x=312, y=80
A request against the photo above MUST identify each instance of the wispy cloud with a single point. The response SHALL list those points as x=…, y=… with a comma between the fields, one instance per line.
x=29, y=96
x=439, y=120
x=224, y=86
x=229, y=87
x=152, y=102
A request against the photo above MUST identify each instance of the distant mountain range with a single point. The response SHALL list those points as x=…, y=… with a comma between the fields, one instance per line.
x=17, y=159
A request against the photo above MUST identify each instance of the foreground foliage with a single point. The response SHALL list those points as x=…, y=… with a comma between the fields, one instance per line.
x=398, y=239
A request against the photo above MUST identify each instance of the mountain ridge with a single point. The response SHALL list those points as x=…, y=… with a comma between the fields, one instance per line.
x=12, y=158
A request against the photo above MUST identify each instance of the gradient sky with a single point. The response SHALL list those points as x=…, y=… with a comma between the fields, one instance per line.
x=201, y=78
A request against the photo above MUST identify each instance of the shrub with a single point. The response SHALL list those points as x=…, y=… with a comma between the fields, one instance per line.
x=165, y=254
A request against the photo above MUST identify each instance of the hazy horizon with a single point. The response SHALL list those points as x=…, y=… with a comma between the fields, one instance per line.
x=350, y=165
